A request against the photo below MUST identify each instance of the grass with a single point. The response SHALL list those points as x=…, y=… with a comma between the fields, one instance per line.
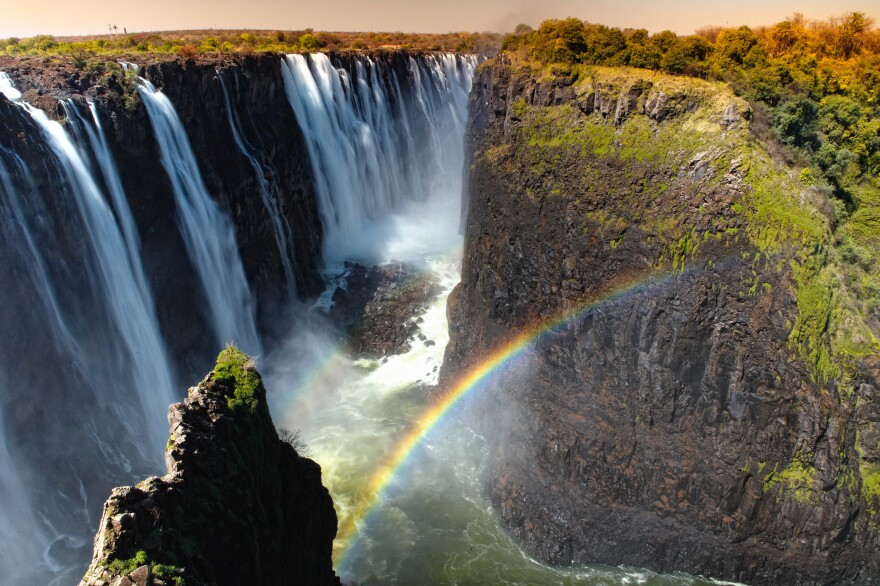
x=871, y=486
x=167, y=572
x=127, y=566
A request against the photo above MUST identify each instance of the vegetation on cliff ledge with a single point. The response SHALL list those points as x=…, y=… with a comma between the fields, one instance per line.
x=236, y=369
x=814, y=87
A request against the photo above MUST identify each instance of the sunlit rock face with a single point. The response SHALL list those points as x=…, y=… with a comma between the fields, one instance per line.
x=666, y=419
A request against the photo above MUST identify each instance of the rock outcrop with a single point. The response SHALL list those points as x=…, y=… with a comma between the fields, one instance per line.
x=681, y=413
x=379, y=308
x=237, y=506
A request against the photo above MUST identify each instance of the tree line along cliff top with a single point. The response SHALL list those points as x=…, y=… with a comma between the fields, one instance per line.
x=190, y=44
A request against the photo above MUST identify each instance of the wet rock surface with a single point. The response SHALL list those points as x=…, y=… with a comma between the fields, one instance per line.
x=237, y=506
x=666, y=422
x=379, y=307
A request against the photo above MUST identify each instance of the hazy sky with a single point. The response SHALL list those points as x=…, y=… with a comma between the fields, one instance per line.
x=59, y=17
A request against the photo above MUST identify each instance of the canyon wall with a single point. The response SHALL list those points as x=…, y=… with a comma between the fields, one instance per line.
x=677, y=412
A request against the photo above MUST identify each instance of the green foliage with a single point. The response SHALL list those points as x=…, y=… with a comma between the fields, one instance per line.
x=209, y=45
x=309, y=42
x=237, y=369
x=168, y=573
x=127, y=566
x=820, y=79
x=795, y=120
x=816, y=305
x=736, y=44
x=686, y=56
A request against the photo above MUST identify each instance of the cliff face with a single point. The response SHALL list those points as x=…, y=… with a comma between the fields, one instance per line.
x=237, y=506
x=688, y=421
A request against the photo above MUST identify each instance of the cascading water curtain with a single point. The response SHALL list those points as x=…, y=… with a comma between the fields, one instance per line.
x=86, y=379
x=380, y=135
x=208, y=234
x=280, y=226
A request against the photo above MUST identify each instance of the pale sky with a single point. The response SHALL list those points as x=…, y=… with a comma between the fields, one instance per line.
x=23, y=18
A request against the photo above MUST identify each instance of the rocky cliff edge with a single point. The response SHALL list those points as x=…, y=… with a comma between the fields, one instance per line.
x=237, y=506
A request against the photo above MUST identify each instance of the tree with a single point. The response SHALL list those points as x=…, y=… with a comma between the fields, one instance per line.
x=851, y=29
x=735, y=44
x=664, y=40
x=602, y=43
x=795, y=119
x=309, y=42
x=646, y=56
x=685, y=55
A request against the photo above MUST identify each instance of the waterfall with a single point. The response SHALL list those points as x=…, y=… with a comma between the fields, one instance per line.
x=80, y=334
x=384, y=139
x=119, y=277
x=280, y=227
x=209, y=235
x=7, y=89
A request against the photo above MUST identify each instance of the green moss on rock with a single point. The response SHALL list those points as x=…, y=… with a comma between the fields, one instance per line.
x=798, y=479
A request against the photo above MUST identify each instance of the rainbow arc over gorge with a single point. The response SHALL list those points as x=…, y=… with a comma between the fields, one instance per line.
x=469, y=382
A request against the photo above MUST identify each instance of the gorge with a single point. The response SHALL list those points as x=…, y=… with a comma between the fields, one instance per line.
x=617, y=383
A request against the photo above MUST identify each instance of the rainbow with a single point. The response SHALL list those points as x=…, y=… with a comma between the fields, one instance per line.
x=471, y=380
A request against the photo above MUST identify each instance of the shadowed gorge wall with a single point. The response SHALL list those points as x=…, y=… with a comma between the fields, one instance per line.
x=678, y=426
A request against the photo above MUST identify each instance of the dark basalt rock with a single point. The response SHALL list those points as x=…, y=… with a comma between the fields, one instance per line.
x=237, y=506
x=652, y=430
x=379, y=307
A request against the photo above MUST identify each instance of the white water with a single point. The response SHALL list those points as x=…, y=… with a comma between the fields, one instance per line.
x=80, y=258
x=209, y=235
x=386, y=149
x=121, y=279
x=280, y=227
x=433, y=525
x=8, y=89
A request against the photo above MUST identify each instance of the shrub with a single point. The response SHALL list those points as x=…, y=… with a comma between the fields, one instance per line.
x=309, y=42
x=295, y=440
x=187, y=52
x=238, y=370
